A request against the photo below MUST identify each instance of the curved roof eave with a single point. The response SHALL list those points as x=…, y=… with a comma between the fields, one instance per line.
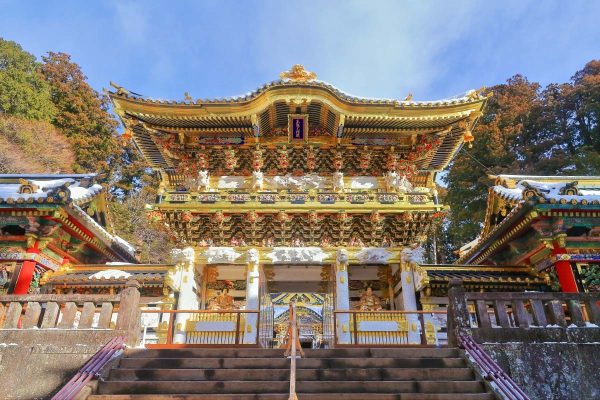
x=124, y=99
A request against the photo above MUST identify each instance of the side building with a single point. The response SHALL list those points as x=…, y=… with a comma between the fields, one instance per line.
x=549, y=224
x=50, y=221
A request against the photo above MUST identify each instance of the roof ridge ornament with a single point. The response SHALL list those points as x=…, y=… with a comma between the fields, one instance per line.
x=298, y=74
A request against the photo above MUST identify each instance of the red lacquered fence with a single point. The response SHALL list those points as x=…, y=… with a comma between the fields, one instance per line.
x=91, y=369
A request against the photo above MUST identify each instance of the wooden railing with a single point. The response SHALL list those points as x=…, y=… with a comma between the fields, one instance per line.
x=389, y=328
x=206, y=328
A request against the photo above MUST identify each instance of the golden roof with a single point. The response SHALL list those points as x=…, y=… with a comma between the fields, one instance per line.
x=262, y=114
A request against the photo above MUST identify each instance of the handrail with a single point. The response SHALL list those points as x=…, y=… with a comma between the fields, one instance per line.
x=90, y=369
x=492, y=370
x=291, y=350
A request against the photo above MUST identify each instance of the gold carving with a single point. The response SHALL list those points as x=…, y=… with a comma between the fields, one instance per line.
x=369, y=301
x=298, y=74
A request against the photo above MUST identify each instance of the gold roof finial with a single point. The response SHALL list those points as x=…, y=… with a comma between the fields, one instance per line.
x=298, y=74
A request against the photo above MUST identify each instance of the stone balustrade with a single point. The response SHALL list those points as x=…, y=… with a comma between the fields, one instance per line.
x=73, y=312
x=529, y=316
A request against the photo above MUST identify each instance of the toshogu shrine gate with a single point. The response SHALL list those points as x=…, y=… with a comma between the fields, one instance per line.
x=298, y=188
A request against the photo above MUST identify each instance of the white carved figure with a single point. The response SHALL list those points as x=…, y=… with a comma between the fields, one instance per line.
x=310, y=181
x=252, y=257
x=338, y=181
x=391, y=181
x=297, y=255
x=373, y=255
x=342, y=256
x=203, y=181
x=404, y=185
x=183, y=255
x=413, y=254
x=257, y=180
x=221, y=254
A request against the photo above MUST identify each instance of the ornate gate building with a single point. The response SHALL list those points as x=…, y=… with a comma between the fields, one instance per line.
x=298, y=187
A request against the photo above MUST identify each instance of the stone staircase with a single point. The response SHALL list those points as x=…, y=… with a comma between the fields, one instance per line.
x=244, y=374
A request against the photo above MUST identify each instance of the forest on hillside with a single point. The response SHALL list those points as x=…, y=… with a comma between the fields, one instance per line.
x=525, y=129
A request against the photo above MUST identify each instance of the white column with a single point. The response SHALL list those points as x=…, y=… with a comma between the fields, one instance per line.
x=188, y=300
x=252, y=297
x=342, y=297
x=409, y=302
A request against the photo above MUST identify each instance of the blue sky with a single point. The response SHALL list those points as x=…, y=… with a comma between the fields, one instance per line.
x=375, y=48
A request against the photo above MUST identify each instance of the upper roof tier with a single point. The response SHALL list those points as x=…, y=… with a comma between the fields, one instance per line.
x=262, y=116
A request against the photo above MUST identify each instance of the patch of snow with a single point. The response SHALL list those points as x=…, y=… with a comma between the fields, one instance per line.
x=110, y=274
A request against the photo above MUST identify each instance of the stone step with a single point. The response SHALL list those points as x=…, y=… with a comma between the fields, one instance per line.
x=283, y=363
x=306, y=396
x=404, y=352
x=246, y=387
x=353, y=374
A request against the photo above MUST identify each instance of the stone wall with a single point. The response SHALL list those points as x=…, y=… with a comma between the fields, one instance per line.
x=35, y=363
x=551, y=371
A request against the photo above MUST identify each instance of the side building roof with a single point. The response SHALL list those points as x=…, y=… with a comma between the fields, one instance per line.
x=67, y=197
x=511, y=200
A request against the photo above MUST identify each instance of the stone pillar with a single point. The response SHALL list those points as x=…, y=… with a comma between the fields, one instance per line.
x=128, y=319
x=252, y=297
x=26, y=272
x=342, y=297
x=458, y=314
x=188, y=300
x=409, y=300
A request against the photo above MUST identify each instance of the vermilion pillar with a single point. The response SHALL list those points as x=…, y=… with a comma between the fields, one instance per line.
x=564, y=271
x=26, y=273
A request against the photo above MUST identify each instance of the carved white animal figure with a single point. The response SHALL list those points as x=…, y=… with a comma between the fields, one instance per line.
x=391, y=181
x=342, y=256
x=338, y=181
x=203, y=180
x=404, y=185
x=257, y=180
x=253, y=256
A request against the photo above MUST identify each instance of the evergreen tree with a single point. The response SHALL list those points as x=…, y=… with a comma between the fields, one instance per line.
x=82, y=114
x=23, y=90
x=524, y=130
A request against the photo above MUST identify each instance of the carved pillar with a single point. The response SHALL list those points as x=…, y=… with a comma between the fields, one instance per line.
x=342, y=297
x=409, y=300
x=188, y=300
x=252, y=297
x=564, y=270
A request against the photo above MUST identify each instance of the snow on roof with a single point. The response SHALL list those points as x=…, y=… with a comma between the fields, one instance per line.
x=551, y=190
x=103, y=233
x=42, y=189
x=110, y=274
